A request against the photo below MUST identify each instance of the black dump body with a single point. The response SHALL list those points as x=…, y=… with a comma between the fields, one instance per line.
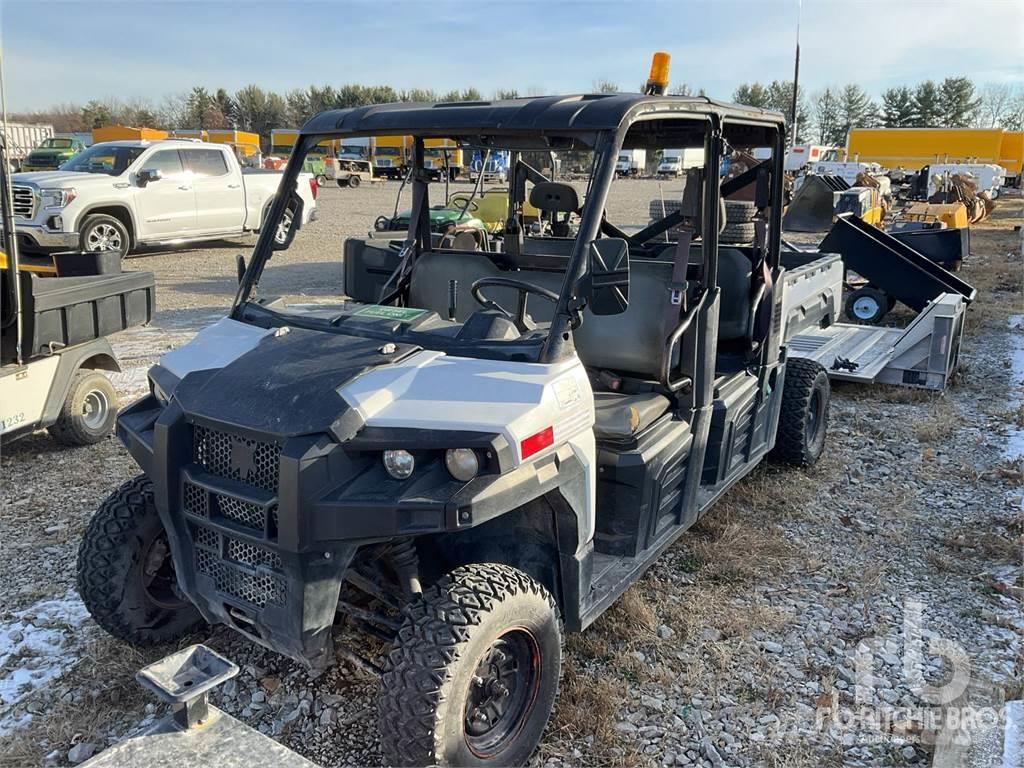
x=890, y=264
x=64, y=311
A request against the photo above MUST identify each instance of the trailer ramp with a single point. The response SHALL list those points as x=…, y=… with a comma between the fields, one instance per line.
x=924, y=354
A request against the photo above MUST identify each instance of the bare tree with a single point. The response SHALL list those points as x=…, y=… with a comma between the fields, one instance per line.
x=605, y=86
x=995, y=101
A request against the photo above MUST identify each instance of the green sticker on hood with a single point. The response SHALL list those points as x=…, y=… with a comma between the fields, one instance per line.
x=402, y=314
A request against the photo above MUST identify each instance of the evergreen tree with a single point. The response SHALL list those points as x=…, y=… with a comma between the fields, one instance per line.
x=957, y=102
x=898, y=108
x=927, y=107
x=780, y=98
x=752, y=95
x=856, y=110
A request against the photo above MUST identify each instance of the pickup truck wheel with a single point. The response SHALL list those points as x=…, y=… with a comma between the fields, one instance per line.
x=101, y=232
x=353, y=181
x=321, y=180
x=89, y=411
x=126, y=574
x=803, y=418
x=474, y=671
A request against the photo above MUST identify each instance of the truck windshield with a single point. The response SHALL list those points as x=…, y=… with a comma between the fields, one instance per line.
x=103, y=158
x=387, y=150
x=56, y=144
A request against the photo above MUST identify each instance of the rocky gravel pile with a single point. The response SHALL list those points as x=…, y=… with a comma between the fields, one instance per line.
x=739, y=647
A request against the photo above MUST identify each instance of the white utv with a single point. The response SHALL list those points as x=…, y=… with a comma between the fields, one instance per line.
x=482, y=447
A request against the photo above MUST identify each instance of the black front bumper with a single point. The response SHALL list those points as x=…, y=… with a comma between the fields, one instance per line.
x=262, y=529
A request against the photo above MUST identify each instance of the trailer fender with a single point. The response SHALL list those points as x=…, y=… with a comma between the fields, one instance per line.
x=96, y=354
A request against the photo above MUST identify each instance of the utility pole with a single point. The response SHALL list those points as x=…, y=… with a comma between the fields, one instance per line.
x=796, y=78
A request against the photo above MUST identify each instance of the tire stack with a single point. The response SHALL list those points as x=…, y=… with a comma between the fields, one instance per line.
x=739, y=223
x=739, y=220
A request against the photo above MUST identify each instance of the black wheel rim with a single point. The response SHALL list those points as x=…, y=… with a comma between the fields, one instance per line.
x=502, y=692
x=813, y=418
x=158, y=578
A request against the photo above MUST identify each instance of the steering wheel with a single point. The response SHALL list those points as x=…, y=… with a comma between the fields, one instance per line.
x=524, y=288
x=460, y=199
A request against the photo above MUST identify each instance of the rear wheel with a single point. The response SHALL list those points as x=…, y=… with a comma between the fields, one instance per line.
x=321, y=180
x=803, y=418
x=474, y=671
x=89, y=411
x=353, y=181
x=126, y=574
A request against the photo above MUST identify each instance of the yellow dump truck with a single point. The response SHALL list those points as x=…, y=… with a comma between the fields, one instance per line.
x=914, y=148
x=126, y=133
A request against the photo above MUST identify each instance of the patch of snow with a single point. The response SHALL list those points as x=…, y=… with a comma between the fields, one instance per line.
x=37, y=645
x=1015, y=443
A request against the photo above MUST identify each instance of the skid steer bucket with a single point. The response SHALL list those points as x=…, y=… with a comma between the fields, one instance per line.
x=814, y=204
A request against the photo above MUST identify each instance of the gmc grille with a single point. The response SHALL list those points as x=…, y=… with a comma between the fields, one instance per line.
x=24, y=202
x=237, y=458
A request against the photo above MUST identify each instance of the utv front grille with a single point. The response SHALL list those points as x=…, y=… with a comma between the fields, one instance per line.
x=201, y=502
x=239, y=569
x=237, y=458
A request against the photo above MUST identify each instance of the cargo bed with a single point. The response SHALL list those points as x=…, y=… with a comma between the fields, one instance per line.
x=64, y=311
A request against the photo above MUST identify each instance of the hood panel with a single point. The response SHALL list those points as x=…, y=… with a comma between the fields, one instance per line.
x=285, y=385
x=62, y=178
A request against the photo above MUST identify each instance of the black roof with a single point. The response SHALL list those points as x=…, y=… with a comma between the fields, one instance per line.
x=581, y=113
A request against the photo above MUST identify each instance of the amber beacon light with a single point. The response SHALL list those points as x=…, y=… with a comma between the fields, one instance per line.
x=657, y=80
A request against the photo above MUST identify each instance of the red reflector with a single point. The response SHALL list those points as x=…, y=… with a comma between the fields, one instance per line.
x=537, y=442
x=313, y=187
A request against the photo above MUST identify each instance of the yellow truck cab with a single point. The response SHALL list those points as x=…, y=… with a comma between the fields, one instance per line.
x=391, y=156
x=442, y=154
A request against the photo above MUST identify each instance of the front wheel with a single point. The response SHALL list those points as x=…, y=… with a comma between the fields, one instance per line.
x=353, y=181
x=474, y=671
x=101, y=232
x=89, y=411
x=803, y=417
x=126, y=574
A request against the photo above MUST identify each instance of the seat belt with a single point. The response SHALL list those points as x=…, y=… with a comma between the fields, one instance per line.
x=676, y=304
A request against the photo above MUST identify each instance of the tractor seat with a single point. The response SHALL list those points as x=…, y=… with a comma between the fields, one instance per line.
x=621, y=417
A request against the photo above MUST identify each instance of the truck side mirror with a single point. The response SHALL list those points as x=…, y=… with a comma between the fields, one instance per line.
x=607, y=282
x=146, y=175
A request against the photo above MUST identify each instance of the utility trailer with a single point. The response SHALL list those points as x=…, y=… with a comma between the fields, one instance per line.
x=56, y=315
x=486, y=446
x=925, y=354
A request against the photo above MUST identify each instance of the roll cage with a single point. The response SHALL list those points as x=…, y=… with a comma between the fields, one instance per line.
x=599, y=123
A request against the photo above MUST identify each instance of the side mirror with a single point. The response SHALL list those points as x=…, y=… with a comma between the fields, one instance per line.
x=289, y=223
x=146, y=175
x=607, y=284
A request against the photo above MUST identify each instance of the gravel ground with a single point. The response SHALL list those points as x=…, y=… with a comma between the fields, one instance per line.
x=737, y=648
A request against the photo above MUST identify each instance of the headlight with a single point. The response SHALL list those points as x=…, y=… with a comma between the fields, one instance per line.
x=462, y=463
x=399, y=464
x=57, y=198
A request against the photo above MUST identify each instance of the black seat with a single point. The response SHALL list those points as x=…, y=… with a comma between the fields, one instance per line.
x=734, y=281
x=621, y=417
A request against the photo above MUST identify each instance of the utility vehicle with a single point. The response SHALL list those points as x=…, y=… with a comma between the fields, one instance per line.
x=55, y=314
x=482, y=448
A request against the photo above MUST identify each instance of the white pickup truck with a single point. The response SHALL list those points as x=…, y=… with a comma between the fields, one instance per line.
x=121, y=195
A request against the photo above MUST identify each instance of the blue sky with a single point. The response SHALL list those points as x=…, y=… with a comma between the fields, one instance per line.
x=75, y=51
